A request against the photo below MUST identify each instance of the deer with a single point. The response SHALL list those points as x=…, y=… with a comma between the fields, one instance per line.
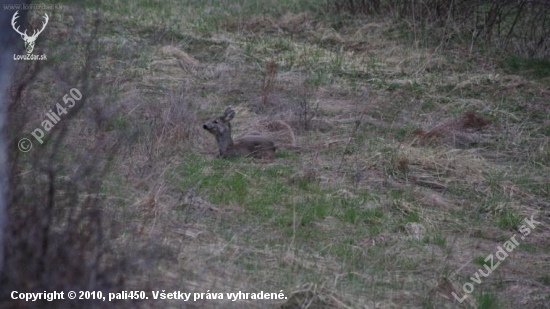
x=253, y=144
x=29, y=40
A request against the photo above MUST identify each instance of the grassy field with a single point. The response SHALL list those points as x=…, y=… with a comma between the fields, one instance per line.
x=418, y=159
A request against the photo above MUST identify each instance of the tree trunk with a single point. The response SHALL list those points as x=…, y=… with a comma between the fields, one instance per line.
x=9, y=41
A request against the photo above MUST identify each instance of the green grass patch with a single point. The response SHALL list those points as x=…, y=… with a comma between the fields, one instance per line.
x=538, y=68
x=438, y=240
x=508, y=220
x=487, y=301
x=479, y=261
x=228, y=181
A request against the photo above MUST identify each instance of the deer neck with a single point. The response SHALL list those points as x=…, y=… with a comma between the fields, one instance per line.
x=225, y=142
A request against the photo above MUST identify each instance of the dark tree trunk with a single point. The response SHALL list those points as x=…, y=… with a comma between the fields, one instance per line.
x=9, y=42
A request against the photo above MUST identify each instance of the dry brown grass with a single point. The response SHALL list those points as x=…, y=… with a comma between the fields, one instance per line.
x=396, y=191
x=459, y=130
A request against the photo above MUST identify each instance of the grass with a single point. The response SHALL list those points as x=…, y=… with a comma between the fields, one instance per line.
x=333, y=221
x=538, y=68
x=488, y=301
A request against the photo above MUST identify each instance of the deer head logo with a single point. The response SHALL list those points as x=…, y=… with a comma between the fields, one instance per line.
x=29, y=40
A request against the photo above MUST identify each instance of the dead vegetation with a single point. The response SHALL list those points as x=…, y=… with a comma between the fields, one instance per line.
x=458, y=132
x=419, y=161
x=58, y=237
x=500, y=24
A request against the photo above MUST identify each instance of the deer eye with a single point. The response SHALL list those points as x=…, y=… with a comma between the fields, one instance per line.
x=215, y=121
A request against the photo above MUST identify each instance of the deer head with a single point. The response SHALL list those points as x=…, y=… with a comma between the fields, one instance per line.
x=29, y=40
x=220, y=127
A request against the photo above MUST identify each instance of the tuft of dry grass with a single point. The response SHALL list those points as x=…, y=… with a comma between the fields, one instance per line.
x=459, y=130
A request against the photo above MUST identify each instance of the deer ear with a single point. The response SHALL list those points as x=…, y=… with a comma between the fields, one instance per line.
x=228, y=114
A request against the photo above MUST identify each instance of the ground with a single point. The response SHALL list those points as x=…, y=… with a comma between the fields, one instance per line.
x=402, y=163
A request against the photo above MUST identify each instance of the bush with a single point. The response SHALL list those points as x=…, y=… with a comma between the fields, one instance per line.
x=520, y=27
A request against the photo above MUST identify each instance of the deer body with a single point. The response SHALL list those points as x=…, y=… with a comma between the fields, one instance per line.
x=251, y=144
